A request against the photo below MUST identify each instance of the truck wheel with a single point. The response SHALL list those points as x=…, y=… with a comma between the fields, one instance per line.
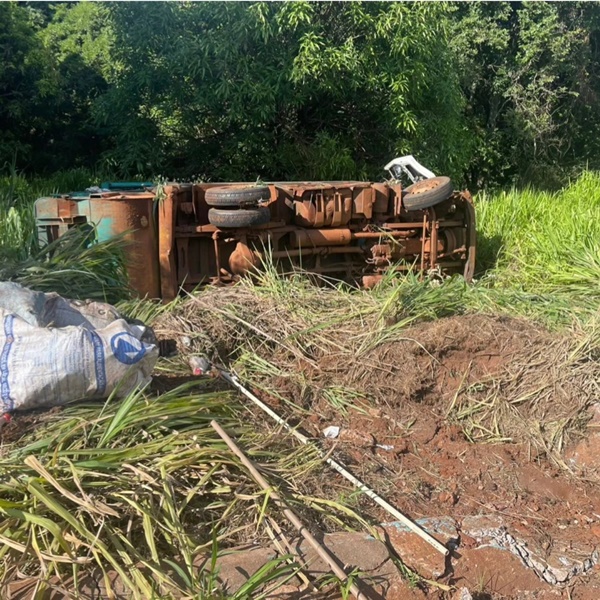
x=426, y=193
x=243, y=217
x=236, y=195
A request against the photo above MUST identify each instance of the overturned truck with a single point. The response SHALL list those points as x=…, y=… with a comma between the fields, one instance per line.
x=184, y=235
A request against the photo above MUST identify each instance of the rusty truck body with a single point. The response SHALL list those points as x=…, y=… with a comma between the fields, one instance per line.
x=187, y=234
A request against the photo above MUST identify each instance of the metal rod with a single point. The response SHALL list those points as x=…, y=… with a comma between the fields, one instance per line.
x=309, y=251
x=288, y=512
x=215, y=237
x=433, y=250
x=423, y=239
x=443, y=224
x=339, y=468
x=384, y=233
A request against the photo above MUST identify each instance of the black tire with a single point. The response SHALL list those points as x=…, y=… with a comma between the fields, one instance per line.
x=426, y=193
x=242, y=217
x=234, y=196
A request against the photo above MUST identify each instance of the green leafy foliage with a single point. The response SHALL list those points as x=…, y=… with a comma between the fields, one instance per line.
x=269, y=89
x=529, y=75
x=488, y=92
x=24, y=81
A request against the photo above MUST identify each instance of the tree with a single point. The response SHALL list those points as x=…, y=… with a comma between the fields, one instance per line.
x=524, y=67
x=24, y=80
x=296, y=89
x=487, y=92
x=78, y=37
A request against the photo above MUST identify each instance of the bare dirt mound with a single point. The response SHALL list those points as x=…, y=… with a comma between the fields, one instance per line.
x=499, y=378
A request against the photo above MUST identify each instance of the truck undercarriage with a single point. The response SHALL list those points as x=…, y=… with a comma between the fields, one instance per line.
x=186, y=235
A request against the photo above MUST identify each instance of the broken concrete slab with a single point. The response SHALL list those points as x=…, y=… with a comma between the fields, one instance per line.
x=353, y=550
x=555, y=566
x=235, y=568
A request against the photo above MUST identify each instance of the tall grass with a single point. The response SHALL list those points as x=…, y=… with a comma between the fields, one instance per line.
x=544, y=243
x=17, y=232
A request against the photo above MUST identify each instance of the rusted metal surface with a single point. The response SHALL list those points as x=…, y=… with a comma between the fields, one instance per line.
x=309, y=238
x=113, y=213
x=350, y=230
x=426, y=185
x=166, y=243
x=471, y=238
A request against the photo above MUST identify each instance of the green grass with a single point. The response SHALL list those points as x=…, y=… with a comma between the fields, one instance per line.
x=544, y=244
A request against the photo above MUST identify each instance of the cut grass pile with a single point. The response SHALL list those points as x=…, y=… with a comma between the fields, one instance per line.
x=136, y=495
x=74, y=268
x=310, y=348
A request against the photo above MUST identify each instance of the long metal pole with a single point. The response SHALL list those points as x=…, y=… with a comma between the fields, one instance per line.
x=288, y=512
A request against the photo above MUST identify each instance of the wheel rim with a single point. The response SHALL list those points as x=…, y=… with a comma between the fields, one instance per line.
x=425, y=186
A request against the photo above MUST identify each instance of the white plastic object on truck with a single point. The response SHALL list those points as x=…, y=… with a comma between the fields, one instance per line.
x=414, y=170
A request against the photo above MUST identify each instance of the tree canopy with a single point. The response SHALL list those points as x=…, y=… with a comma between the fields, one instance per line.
x=487, y=92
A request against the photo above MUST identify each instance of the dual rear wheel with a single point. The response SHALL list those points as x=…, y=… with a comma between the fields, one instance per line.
x=237, y=206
